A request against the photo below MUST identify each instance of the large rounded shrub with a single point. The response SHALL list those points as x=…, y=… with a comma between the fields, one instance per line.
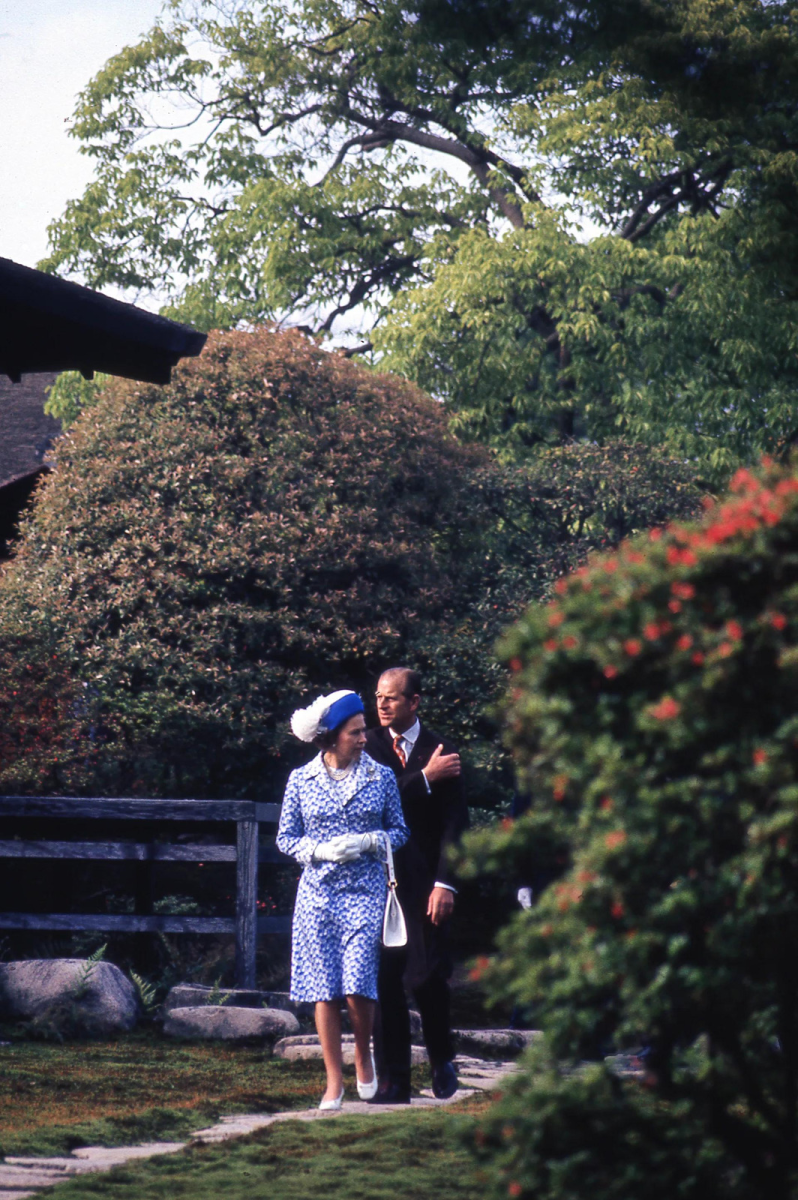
x=654, y=716
x=275, y=523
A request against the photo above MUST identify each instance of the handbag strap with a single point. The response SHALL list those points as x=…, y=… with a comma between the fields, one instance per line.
x=389, y=862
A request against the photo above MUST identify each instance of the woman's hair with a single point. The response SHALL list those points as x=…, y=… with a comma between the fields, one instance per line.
x=327, y=739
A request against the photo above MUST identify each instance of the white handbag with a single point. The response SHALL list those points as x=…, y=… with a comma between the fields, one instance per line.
x=394, y=929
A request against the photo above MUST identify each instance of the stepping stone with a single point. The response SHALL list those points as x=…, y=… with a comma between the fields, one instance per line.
x=507, y=1043
x=238, y=1126
x=482, y=1074
x=22, y=1176
x=306, y=1046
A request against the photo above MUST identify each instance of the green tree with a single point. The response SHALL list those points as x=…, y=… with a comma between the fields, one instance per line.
x=652, y=713
x=277, y=522
x=425, y=168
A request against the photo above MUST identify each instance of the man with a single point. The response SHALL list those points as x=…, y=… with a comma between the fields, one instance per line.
x=427, y=768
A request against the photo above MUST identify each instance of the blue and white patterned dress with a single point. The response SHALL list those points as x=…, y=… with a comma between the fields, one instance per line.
x=339, y=906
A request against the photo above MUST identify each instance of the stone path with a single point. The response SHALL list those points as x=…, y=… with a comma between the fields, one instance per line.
x=25, y=1176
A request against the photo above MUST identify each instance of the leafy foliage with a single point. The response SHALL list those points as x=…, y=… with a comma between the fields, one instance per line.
x=652, y=712
x=563, y=220
x=71, y=393
x=275, y=523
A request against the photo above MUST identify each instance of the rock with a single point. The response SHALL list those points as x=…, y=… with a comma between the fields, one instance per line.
x=69, y=994
x=229, y=1022
x=307, y=1046
x=495, y=1043
x=193, y=995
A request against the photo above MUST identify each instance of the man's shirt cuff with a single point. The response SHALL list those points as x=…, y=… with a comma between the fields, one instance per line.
x=448, y=886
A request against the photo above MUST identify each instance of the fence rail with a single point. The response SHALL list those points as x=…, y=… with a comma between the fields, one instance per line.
x=247, y=815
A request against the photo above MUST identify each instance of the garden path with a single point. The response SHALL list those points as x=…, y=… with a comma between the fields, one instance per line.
x=25, y=1176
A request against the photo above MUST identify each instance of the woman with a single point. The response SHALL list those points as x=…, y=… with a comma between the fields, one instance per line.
x=336, y=814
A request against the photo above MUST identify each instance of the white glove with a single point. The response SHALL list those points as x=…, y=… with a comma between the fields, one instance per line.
x=342, y=849
x=373, y=843
x=525, y=897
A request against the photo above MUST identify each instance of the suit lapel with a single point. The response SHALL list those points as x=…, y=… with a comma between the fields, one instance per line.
x=421, y=751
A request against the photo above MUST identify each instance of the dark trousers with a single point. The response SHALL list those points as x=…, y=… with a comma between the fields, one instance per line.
x=392, y=1029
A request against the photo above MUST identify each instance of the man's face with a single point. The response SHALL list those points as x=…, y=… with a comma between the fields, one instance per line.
x=394, y=708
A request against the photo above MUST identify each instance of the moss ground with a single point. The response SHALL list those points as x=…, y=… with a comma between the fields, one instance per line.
x=414, y=1155
x=54, y=1098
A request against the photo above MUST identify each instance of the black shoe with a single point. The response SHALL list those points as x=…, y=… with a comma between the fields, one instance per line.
x=394, y=1093
x=444, y=1081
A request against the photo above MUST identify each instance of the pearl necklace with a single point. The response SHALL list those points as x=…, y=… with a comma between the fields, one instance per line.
x=339, y=773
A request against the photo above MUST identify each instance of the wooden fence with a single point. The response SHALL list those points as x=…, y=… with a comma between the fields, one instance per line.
x=248, y=815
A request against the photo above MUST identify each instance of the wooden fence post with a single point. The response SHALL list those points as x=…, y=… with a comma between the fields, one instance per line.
x=246, y=900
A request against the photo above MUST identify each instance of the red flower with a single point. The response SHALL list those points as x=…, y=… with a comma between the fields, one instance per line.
x=666, y=710
x=685, y=591
x=655, y=535
x=734, y=629
x=760, y=756
x=606, y=804
x=615, y=839
x=677, y=556
x=546, y=930
x=610, y=671
x=778, y=620
x=555, y=619
x=570, y=641
x=617, y=909
x=514, y=1188
x=515, y=664
x=675, y=606
x=561, y=586
x=698, y=658
x=633, y=646
x=684, y=642
x=551, y=645
x=507, y=822
x=479, y=968
x=651, y=631
x=725, y=649
x=559, y=784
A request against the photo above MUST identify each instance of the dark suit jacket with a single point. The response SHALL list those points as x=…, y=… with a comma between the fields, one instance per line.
x=436, y=818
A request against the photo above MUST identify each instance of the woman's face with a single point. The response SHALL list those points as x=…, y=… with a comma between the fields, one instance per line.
x=351, y=739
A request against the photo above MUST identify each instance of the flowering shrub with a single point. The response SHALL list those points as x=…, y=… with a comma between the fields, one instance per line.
x=653, y=713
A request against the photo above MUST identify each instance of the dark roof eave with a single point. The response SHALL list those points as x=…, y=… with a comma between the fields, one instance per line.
x=51, y=324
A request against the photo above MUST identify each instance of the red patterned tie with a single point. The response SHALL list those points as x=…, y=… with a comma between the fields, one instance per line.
x=398, y=751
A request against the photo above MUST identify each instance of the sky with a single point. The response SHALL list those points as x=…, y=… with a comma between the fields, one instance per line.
x=49, y=50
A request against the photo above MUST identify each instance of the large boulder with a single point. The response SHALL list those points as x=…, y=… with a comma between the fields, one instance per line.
x=71, y=994
x=230, y=1023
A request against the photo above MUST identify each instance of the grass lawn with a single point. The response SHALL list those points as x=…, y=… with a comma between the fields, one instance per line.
x=139, y=1088
x=416, y=1155
x=143, y=1087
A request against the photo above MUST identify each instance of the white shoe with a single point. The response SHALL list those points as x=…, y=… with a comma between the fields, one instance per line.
x=367, y=1091
x=332, y=1105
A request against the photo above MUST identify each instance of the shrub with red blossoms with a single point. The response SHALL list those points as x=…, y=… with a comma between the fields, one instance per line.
x=675, y=721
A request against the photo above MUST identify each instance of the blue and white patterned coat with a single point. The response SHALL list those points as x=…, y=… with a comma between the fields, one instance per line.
x=339, y=906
